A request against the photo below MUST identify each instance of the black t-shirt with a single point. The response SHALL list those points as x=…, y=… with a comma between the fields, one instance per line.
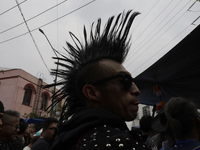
x=17, y=144
x=41, y=144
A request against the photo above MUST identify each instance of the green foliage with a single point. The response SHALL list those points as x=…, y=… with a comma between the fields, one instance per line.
x=31, y=115
x=57, y=108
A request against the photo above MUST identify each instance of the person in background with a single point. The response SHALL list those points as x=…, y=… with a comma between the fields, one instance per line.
x=10, y=129
x=34, y=139
x=48, y=134
x=145, y=126
x=158, y=124
x=19, y=142
x=183, y=125
x=28, y=137
x=1, y=114
x=100, y=93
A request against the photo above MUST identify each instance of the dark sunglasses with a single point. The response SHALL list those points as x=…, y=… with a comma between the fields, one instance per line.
x=126, y=80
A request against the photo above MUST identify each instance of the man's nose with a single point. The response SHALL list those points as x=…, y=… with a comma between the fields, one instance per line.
x=135, y=90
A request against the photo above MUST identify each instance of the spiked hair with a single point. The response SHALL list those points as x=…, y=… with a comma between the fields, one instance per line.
x=82, y=64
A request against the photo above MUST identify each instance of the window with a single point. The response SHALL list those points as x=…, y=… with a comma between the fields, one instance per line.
x=27, y=96
x=146, y=110
x=44, y=102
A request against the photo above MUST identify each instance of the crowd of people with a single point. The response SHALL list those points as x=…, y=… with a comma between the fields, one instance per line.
x=176, y=127
x=15, y=133
x=100, y=95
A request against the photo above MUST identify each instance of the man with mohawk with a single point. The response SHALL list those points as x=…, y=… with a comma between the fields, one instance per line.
x=100, y=93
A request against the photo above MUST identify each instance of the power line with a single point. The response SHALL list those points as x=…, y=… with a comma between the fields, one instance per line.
x=146, y=14
x=153, y=30
x=195, y=11
x=153, y=20
x=11, y=8
x=191, y=6
x=160, y=35
x=159, y=50
x=32, y=36
x=195, y=21
x=48, y=22
x=32, y=17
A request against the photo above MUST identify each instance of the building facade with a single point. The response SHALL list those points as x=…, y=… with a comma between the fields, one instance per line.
x=24, y=92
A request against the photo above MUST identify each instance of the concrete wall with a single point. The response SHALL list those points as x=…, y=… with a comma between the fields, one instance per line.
x=12, y=89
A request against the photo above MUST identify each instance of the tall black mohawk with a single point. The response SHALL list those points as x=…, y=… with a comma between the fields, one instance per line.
x=112, y=43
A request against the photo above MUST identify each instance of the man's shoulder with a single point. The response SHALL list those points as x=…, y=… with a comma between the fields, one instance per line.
x=17, y=144
x=40, y=144
x=109, y=137
x=6, y=146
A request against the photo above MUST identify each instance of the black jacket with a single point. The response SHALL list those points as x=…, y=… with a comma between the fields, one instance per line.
x=41, y=144
x=17, y=144
x=94, y=128
x=6, y=146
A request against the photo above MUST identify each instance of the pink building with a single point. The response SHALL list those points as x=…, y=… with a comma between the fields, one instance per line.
x=23, y=92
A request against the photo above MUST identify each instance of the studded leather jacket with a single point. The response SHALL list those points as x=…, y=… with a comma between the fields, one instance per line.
x=93, y=128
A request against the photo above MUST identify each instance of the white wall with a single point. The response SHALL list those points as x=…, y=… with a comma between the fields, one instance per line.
x=135, y=123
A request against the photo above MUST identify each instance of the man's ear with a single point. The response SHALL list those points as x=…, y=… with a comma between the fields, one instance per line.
x=91, y=92
x=43, y=130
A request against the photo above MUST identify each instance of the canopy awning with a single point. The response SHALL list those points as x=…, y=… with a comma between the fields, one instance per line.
x=32, y=120
x=177, y=73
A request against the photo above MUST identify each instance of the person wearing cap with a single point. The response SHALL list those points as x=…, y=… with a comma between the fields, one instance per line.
x=18, y=143
x=10, y=129
x=183, y=125
x=158, y=124
x=145, y=126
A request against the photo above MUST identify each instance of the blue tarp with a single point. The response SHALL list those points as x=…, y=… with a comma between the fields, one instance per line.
x=31, y=120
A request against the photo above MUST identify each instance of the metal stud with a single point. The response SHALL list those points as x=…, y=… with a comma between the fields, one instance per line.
x=84, y=145
x=104, y=125
x=64, y=121
x=143, y=145
x=107, y=136
x=108, y=130
x=121, y=145
x=137, y=143
x=108, y=145
x=84, y=139
x=118, y=140
x=95, y=134
x=94, y=139
x=95, y=145
x=133, y=149
x=127, y=139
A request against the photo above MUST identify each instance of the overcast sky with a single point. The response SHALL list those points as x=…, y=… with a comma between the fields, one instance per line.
x=159, y=27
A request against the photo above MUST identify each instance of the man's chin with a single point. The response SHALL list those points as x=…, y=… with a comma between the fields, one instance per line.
x=131, y=116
